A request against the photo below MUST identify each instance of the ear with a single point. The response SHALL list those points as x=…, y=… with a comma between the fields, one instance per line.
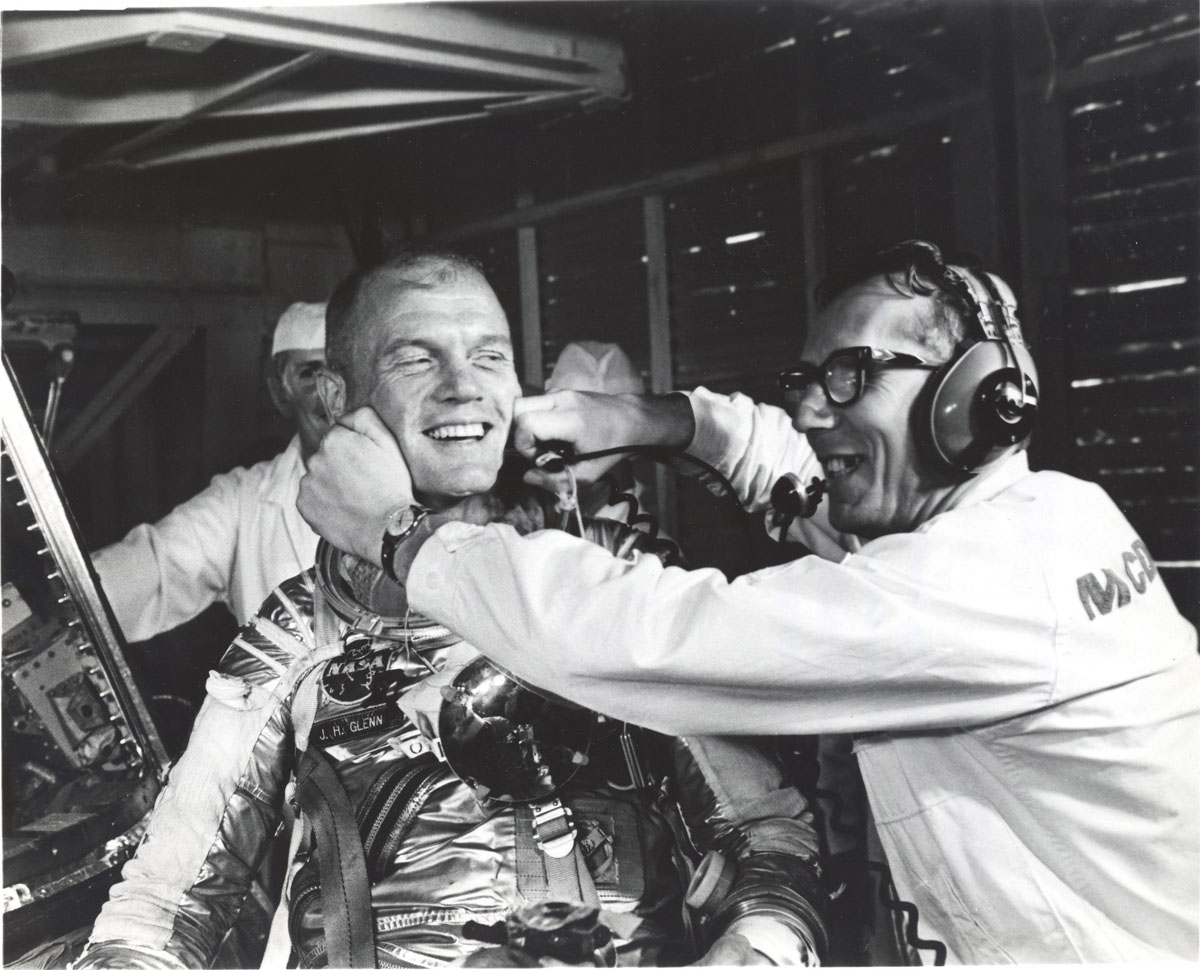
x=279, y=396
x=331, y=388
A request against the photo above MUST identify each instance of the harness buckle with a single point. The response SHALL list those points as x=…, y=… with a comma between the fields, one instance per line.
x=553, y=830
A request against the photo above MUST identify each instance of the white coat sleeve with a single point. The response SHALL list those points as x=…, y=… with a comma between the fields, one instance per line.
x=162, y=575
x=927, y=632
x=753, y=445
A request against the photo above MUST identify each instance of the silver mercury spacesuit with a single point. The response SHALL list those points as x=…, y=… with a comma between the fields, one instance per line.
x=335, y=679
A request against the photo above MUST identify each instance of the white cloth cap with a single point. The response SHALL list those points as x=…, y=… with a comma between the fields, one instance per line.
x=589, y=365
x=301, y=327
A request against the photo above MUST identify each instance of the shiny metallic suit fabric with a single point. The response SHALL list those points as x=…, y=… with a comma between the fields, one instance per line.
x=454, y=859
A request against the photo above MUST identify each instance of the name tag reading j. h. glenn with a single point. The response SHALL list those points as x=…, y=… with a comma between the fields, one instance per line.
x=356, y=724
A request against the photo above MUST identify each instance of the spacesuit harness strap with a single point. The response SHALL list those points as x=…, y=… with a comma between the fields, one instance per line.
x=328, y=643
x=326, y=814
x=550, y=826
x=348, y=921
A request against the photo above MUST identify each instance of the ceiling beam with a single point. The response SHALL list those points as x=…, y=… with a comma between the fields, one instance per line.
x=412, y=35
x=47, y=108
x=240, y=146
x=27, y=41
x=441, y=37
x=229, y=95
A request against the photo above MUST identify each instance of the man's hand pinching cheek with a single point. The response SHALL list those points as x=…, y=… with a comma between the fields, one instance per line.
x=554, y=417
x=356, y=478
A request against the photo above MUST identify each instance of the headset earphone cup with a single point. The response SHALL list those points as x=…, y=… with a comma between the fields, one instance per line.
x=973, y=416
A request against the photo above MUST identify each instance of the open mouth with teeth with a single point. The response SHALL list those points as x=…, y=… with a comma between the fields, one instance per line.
x=839, y=466
x=468, y=431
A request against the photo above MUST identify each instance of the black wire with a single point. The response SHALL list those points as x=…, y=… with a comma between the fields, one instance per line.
x=891, y=899
x=887, y=887
x=663, y=455
x=836, y=814
x=557, y=462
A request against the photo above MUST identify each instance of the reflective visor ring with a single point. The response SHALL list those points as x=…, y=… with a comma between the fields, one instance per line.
x=553, y=831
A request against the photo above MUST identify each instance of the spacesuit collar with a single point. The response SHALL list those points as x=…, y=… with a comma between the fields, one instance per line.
x=362, y=594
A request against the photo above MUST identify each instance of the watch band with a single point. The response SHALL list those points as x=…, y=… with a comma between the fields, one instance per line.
x=401, y=524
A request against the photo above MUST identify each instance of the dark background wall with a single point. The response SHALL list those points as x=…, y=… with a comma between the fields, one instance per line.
x=759, y=143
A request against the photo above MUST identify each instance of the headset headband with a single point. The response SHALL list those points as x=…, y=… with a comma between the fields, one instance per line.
x=993, y=302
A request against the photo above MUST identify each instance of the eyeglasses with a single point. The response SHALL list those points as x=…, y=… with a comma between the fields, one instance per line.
x=843, y=375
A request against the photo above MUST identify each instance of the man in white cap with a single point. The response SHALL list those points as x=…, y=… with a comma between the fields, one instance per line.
x=238, y=539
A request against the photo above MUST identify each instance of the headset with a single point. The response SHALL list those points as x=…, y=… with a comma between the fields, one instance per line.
x=976, y=407
x=984, y=401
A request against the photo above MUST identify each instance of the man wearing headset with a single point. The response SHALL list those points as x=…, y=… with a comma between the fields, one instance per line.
x=1021, y=688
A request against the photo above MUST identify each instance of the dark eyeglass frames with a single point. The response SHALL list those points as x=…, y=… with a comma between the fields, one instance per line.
x=843, y=374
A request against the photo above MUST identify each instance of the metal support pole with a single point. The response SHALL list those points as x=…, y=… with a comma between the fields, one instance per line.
x=662, y=377
x=531, y=300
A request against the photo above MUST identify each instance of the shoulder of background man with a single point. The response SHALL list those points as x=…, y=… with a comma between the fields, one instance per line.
x=274, y=480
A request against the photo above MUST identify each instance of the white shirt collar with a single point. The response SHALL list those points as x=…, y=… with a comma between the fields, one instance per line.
x=282, y=483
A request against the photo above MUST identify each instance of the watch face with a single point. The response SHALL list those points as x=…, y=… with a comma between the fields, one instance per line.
x=402, y=520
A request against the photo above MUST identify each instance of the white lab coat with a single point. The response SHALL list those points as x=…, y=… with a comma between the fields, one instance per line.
x=1030, y=757
x=232, y=543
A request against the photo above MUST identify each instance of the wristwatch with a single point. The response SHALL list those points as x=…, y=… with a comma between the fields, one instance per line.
x=401, y=524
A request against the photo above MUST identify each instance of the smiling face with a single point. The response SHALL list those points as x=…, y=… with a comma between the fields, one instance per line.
x=295, y=390
x=435, y=361
x=878, y=481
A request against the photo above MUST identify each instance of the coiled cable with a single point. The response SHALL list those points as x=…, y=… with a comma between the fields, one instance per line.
x=888, y=896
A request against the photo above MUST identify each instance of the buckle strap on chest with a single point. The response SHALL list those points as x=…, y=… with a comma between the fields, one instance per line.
x=563, y=865
x=345, y=889
x=553, y=829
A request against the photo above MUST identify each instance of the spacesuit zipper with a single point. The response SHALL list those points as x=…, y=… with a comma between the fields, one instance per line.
x=408, y=814
x=377, y=813
x=400, y=787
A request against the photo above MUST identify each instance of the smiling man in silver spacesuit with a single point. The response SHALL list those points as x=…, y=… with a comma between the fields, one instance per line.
x=445, y=808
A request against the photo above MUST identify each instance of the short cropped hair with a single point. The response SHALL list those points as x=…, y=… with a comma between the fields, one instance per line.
x=410, y=268
x=914, y=268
